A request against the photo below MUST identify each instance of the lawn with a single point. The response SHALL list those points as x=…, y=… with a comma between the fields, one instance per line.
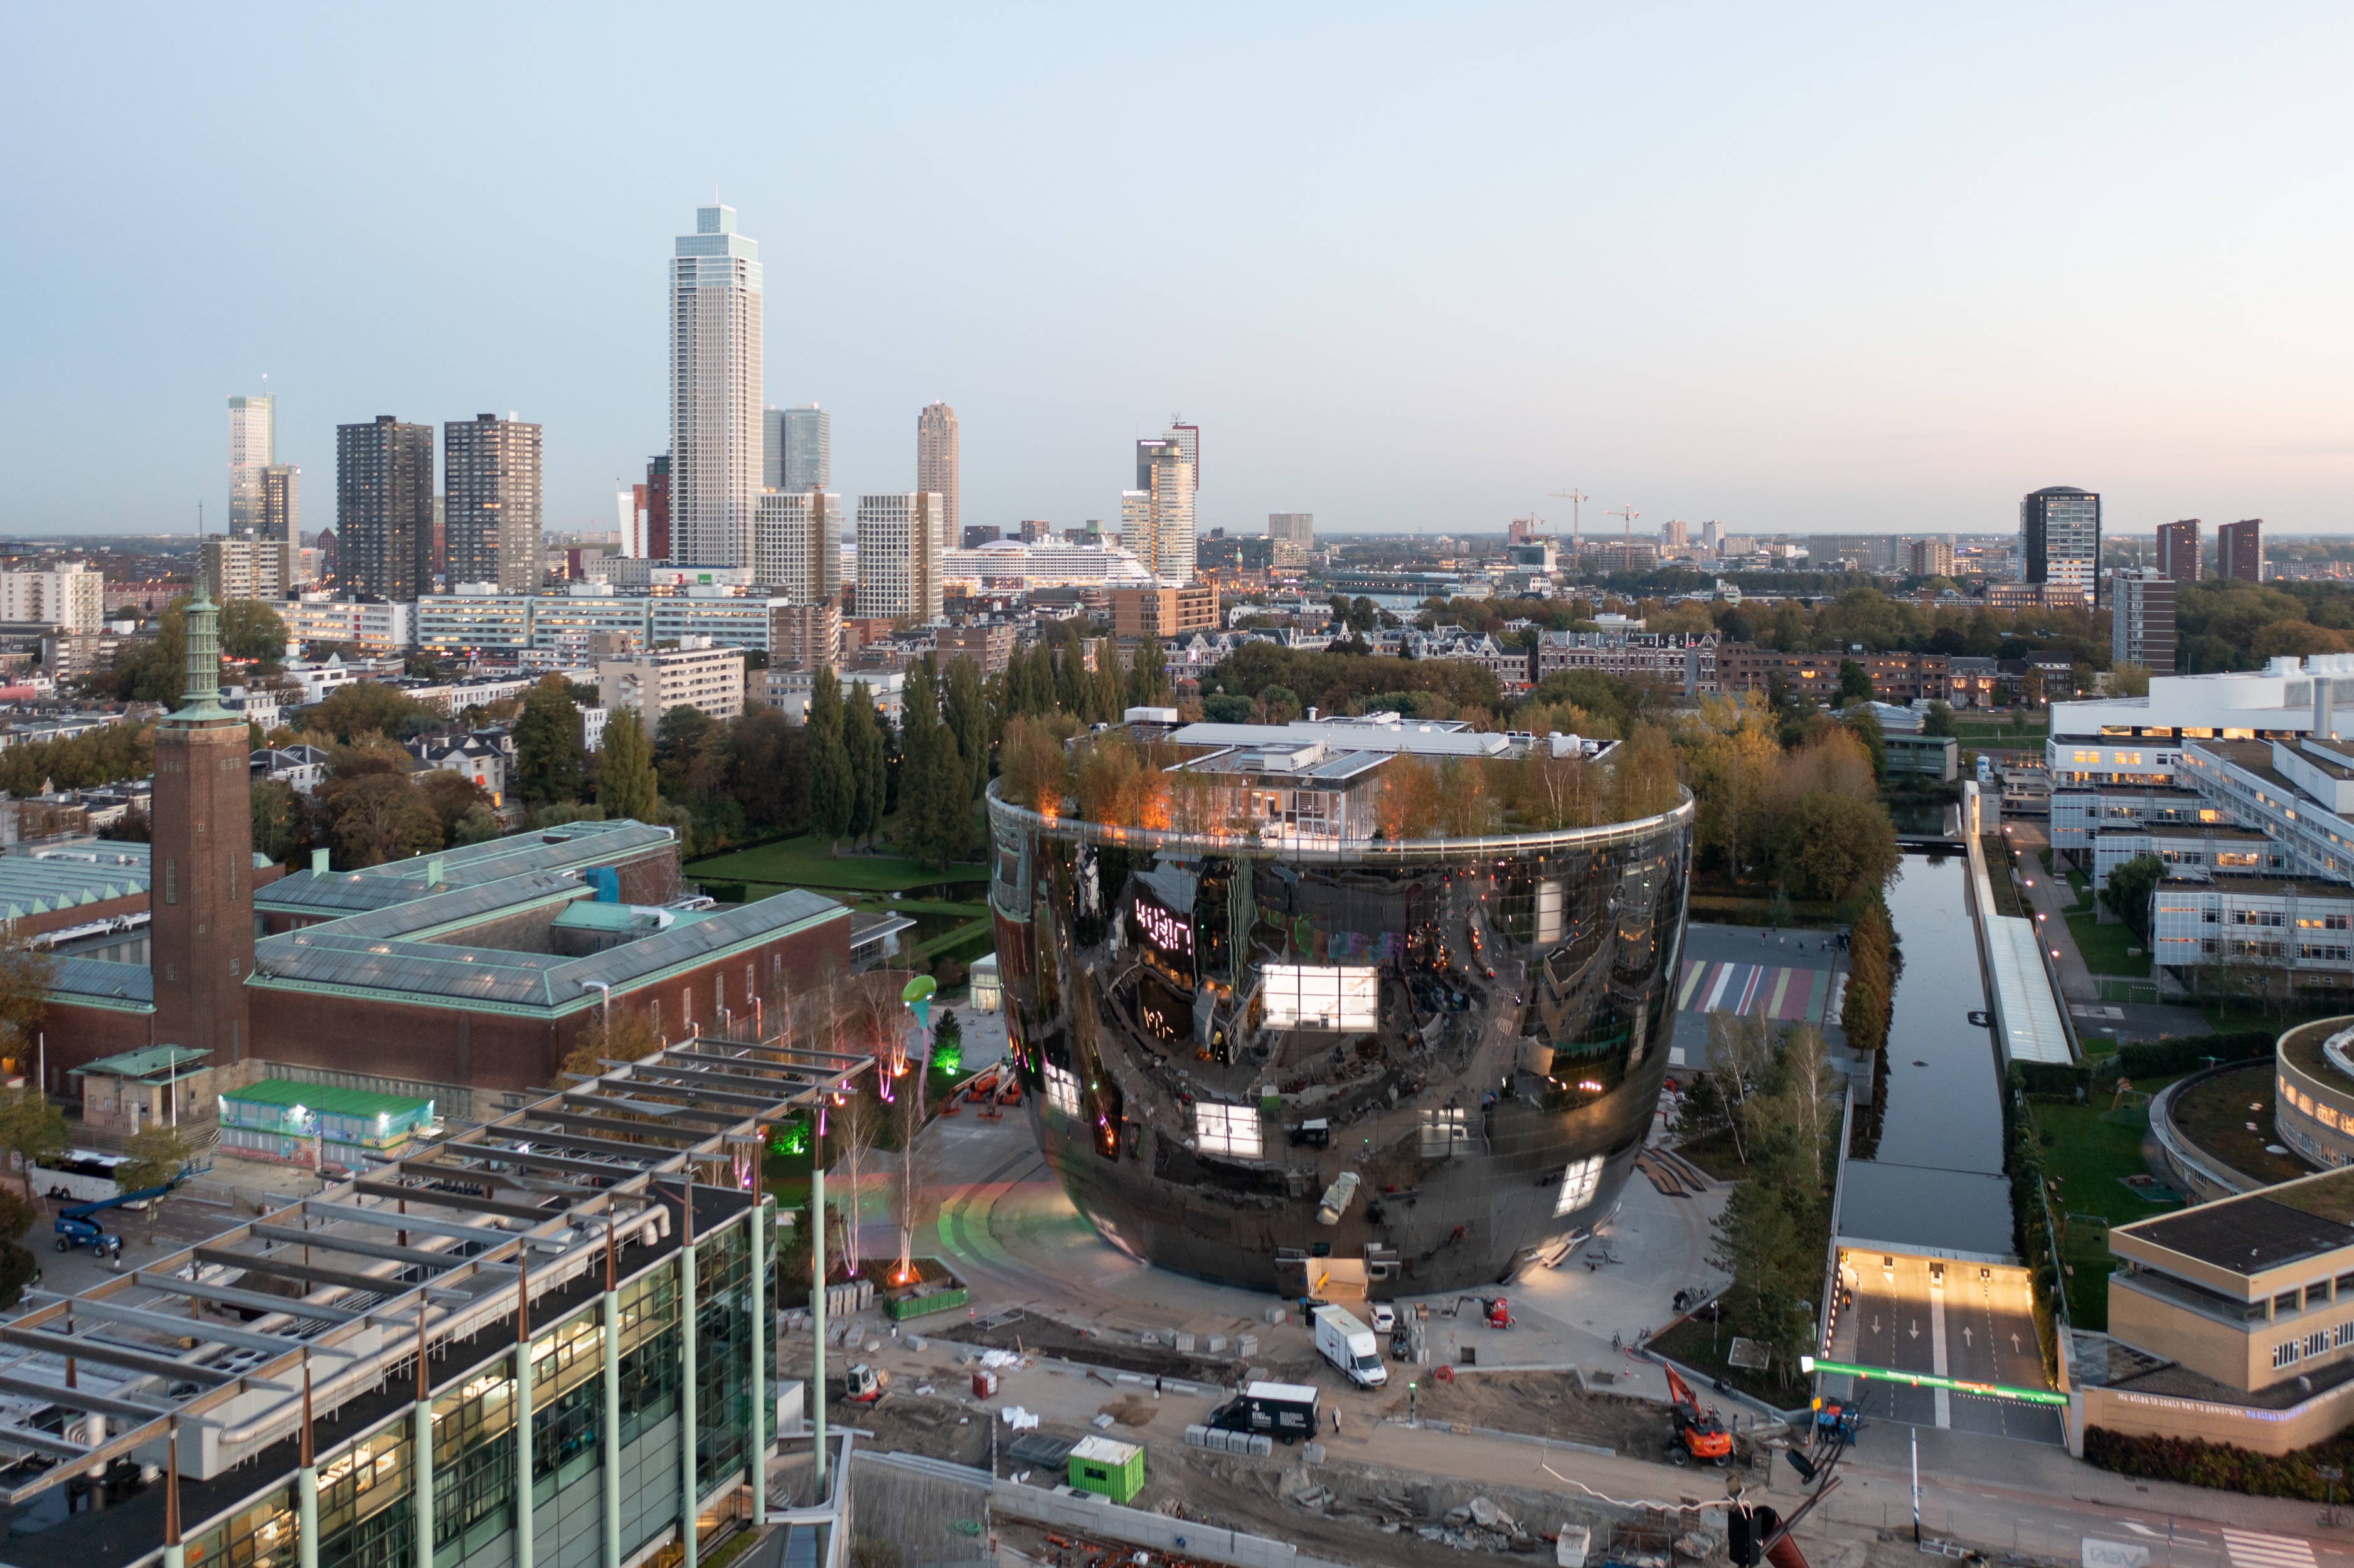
x=2009, y=728
x=805, y=863
x=2102, y=948
x=2231, y=1116
x=1704, y=1346
x=2088, y=1150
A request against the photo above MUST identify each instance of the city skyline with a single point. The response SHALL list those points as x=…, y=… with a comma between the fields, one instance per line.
x=1566, y=312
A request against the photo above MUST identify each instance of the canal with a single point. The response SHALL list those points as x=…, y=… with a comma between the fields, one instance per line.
x=1924, y=1166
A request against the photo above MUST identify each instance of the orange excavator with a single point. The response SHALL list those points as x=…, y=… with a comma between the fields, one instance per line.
x=1699, y=1434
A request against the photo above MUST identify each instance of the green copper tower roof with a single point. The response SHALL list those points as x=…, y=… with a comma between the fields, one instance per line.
x=200, y=702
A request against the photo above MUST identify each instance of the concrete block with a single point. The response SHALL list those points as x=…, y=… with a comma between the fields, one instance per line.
x=1276, y=1315
x=1184, y=1344
x=1215, y=1345
x=1313, y=1452
x=1246, y=1345
x=1262, y=1445
x=1197, y=1436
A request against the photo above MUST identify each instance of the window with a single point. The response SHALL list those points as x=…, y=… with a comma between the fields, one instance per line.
x=2318, y=1344
x=1226, y=1130
x=1445, y=1133
x=2316, y=1294
x=1062, y=1090
x=2285, y=1355
x=1577, y=1185
x=2343, y=1336
x=2284, y=1303
x=171, y=882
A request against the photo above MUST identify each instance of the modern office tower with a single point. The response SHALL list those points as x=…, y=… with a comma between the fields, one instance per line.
x=1293, y=537
x=1711, y=537
x=1155, y=518
x=384, y=508
x=491, y=485
x=797, y=448
x=2141, y=619
x=935, y=460
x=200, y=942
x=1674, y=533
x=1189, y=441
x=1932, y=559
x=252, y=447
x=70, y=597
x=2240, y=550
x=2060, y=539
x=2178, y=550
x=902, y=546
x=1035, y=530
x=797, y=545
x=282, y=504
x=715, y=365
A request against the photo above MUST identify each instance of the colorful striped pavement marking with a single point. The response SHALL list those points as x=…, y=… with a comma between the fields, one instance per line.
x=1767, y=990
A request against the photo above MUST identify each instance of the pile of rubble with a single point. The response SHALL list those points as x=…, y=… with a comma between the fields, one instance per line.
x=1479, y=1526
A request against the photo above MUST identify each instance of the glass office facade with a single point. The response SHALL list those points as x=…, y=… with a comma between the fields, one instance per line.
x=1417, y=1063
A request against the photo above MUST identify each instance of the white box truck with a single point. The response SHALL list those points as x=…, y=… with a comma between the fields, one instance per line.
x=1349, y=1345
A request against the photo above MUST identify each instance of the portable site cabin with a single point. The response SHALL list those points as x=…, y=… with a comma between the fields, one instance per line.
x=1114, y=1469
x=317, y=1124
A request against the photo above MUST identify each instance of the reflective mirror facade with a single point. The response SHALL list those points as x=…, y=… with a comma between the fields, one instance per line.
x=1419, y=1066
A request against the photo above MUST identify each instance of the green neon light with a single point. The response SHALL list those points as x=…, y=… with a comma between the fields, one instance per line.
x=1930, y=1379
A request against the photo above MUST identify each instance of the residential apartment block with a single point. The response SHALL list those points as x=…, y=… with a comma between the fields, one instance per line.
x=2060, y=539
x=491, y=507
x=2240, y=550
x=936, y=463
x=710, y=679
x=1895, y=677
x=797, y=545
x=989, y=645
x=384, y=508
x=2141, y=620
x=249, y=568
x=804, y=636
x=1163, y=612
x=1688, y=662
x=2178, y=550
x=903, y=542
x=70, y=597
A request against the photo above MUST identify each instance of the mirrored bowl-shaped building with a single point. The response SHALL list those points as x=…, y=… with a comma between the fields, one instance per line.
x=1301, y=1061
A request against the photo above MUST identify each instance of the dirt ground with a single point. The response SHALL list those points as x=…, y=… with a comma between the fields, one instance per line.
x=1027, y=1331
x=1540, y=1404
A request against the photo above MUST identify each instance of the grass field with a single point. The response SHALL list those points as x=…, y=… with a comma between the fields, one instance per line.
x=805, y=863
x=2104, y=947
x=2088, y=1151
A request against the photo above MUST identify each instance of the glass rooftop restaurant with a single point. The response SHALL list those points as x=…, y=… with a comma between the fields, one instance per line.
x=338, y=1382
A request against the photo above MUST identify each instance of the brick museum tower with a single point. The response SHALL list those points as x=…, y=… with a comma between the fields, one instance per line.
x=201, y=938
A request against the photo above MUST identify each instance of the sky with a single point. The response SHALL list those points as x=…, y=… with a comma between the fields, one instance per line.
x=1812, y=268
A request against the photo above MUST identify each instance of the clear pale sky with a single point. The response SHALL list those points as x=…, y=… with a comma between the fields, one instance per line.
x=1847, y=269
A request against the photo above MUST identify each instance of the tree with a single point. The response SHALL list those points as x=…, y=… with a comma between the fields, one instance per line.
x=17, y=1267
x=154, y=1156
x=2127, y=681
x=276, y=819
x=625, y=773
x=967, y=714
x=1107, y=685
x=549, y=752
x=1855, y=681
x=862, y=741
x=1148, y=676
x=31, y=1128
x=1865, y=724
x=1407, y=807
x=368, y=707
x=2130, y=888
x=26, y=973
x=480, y=825
x=624, y=1036
x=450, y=796
x=1032, y=767
x=251, y=630
x=1225, y=708
x=767, y=769
x=833, y=792
x=1870, y=979
x=1834, y=846
x=380, y=817
x=1940, y=720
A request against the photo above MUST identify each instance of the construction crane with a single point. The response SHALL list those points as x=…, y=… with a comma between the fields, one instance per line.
x=1627, y=517
x=1577, y=498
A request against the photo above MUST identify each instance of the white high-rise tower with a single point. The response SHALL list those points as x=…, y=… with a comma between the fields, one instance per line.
x=1155, y=518
x=252, y=447
x=715, y=364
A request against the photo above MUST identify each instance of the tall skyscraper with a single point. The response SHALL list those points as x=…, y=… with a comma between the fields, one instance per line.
x=798, y=548
x=715, y=367
x=935, y=460
x=1189, y=442
x=252, y=447
x=2178, y=550
x=1155, y=518
x=2141, y=619
x=282, y=504
x=2240, y=550
x=200, y=942
x=796, y=448
x=2060, y=539
x=490, y=485
x=384, y=507
x=902, y=545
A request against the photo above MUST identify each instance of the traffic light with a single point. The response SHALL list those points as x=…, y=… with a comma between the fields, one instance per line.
x=1745, y=1529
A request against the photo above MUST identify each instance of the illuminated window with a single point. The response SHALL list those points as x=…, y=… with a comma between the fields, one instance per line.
x=1578, y=1184
x=1062, y=1090
x=1228, y=1129
x=1445, y=1133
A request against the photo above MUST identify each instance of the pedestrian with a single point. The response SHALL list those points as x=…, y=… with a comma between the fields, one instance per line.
x=1156, y=1387
x=1336, y=1421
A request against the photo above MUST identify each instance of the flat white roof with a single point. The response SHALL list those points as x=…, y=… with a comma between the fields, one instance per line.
x=1301, y=1392
x=2025, y=1010
x=1423, y=739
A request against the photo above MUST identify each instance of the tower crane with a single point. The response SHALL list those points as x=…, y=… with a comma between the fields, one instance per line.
x=1577, y=498
x=1627, y=517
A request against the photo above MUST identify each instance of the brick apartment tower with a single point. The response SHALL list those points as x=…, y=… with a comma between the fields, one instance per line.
x=201, y=936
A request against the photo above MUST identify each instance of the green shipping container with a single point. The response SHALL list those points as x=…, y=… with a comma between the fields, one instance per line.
x=1114, y=1469
x=904, y=1307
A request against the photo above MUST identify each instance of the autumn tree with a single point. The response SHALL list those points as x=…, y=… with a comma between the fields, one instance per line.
x=153, y=1157
x=31, y=1128
x=625, y=770
x=1031, y=764
x=548, y=750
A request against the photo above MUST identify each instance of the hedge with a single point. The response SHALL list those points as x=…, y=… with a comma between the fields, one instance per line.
x=2030, y=1238
x=2142, y=1059
x=2195, y=1462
